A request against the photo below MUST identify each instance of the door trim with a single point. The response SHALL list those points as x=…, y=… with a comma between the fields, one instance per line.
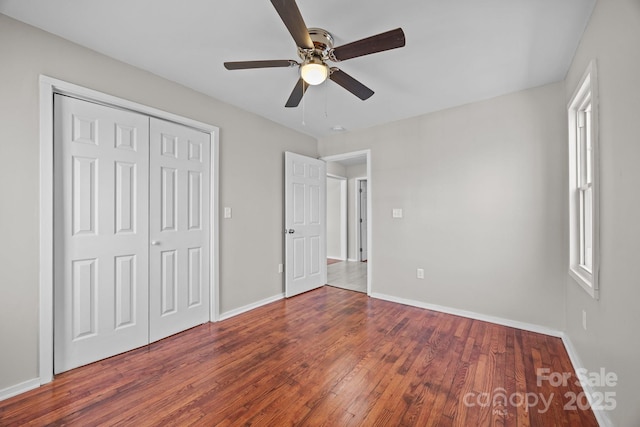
x=370, y=252
x=49, y=86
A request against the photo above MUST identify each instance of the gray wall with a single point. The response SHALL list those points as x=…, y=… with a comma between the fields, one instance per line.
x=611, y=339
x=483, y=188
x=353, y=172
x=251, y=177
x=349, y=172
x=334, y=215
x=483, y=191
x=336, y=168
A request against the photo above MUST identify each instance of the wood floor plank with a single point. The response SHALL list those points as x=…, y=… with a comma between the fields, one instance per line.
x=327, y=357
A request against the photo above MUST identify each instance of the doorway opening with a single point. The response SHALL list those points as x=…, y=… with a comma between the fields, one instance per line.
x=352, y=271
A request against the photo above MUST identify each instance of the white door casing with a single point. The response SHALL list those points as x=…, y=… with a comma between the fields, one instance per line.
x=101, y=234
x=179, y=228
x=305, y=224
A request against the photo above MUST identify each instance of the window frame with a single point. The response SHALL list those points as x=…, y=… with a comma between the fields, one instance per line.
x=583, y=129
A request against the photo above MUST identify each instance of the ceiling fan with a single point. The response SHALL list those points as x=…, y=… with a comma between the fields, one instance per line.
x=315, y=48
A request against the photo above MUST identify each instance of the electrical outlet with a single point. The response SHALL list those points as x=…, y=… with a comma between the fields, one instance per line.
x=227, y=213
x=584, y=319
x=420, y=273
x=396, y=213
x=280, y=268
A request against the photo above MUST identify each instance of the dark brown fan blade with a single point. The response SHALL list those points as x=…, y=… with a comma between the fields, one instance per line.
x=350, y=84
x=292, y=18
x=385, y=41
x=244, y=65
x=297, y=94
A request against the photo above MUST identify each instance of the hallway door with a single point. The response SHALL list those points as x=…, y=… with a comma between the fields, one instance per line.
x=305, y=224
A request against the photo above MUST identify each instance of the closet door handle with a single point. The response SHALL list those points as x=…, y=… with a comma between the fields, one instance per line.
x=155, y=243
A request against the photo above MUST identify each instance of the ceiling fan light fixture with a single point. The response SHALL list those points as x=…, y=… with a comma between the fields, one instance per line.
x=315, y=49
x=314, y=71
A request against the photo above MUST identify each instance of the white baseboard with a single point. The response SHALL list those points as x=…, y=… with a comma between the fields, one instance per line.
x=601, y=415
x=14, y=390
x=244, y=309
x=352, y=260
x=472, y=315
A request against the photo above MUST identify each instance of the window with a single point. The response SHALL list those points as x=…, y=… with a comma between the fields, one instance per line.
x=583, y=183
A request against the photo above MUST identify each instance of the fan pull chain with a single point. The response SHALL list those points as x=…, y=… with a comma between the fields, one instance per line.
x=303, y=123
x=326, y=98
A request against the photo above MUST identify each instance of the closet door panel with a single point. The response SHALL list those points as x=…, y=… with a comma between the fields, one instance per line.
x=101, y=235
x=179, y=228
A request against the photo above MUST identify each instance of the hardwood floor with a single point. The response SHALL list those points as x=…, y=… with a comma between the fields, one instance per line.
x=328, y=357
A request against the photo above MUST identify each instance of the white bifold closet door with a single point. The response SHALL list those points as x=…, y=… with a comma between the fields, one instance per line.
x=179, y=229
x=131, y=204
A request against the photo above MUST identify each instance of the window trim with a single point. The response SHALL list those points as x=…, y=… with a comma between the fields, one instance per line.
x=586, y=92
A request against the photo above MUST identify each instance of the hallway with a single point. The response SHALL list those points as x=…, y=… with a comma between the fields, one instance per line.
x=351, y=275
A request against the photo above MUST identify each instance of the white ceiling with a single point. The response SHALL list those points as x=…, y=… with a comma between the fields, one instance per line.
x=457, y=51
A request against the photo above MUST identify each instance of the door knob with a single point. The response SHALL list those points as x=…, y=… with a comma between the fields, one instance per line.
x=155, y=243
x=291, y=231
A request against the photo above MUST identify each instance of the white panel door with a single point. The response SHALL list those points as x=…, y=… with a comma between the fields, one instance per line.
x=305, y=224
x=179, y=228
x=101, y=232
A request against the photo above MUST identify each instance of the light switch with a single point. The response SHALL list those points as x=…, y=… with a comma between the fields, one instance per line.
x=397, y=213
x=227, y=212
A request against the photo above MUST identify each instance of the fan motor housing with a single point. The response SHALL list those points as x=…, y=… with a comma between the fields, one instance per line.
x=322, y=42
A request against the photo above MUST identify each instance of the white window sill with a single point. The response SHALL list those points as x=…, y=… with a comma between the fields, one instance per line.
x=585, y=280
